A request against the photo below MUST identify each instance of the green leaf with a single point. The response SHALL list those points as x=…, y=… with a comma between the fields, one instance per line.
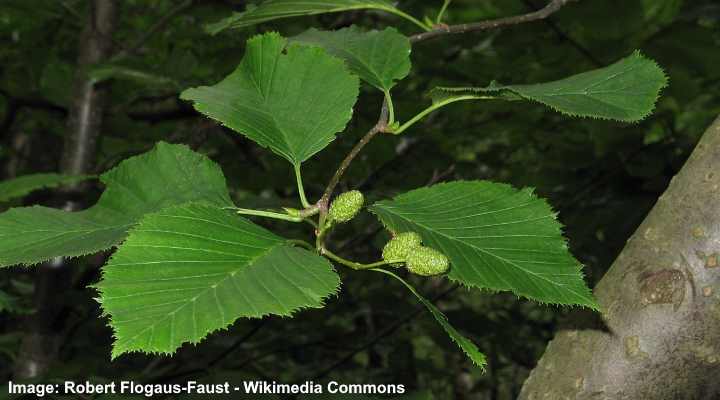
x=625, y=91
x=189, y=270
x=467, y=346
x=275, y=9
x=495, y=236
x=380, y=58
x=21, y=186
x=168, y=175
x=292, y=100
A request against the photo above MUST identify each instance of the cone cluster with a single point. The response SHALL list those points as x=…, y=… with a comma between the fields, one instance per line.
x=407, y=248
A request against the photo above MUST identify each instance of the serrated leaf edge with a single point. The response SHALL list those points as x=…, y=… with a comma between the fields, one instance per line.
x=104, y=314
x=530, y=192
x=494, y=87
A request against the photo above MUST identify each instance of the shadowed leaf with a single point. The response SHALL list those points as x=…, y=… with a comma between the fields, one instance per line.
x=23, y=185
x=275, y=9
x=380, y=58
x=168, y=175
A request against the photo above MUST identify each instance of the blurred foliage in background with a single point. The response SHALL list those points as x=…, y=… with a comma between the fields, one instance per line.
x=603, y=177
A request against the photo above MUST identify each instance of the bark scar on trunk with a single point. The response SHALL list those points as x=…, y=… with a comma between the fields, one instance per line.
x=666, y=286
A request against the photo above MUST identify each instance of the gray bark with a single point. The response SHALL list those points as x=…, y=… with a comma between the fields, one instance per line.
x=85, y=116
x=44, y=328
x=660, y=301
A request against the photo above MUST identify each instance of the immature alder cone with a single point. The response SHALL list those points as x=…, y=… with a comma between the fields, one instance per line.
x=346, y=206
x=427, y=262
x=398, y=248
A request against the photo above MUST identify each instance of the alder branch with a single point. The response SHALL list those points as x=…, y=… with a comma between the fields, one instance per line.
x=380, y=126
x=551, y=8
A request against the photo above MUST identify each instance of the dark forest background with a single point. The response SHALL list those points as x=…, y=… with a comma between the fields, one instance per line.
x=602, y=177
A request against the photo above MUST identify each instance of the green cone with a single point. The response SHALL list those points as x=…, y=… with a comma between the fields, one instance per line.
x=398, y=248
x=346, y=206
x=426, y=261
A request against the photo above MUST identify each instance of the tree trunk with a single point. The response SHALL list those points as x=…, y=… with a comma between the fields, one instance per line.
x=42, y=340
x=660, y=301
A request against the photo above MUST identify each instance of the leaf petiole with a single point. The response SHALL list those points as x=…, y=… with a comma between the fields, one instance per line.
x=408, y=17
x=390, y=107
x=422, y=114
x=440, y=15
x=301, y=188
x=266, y=214
x=351, y=264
